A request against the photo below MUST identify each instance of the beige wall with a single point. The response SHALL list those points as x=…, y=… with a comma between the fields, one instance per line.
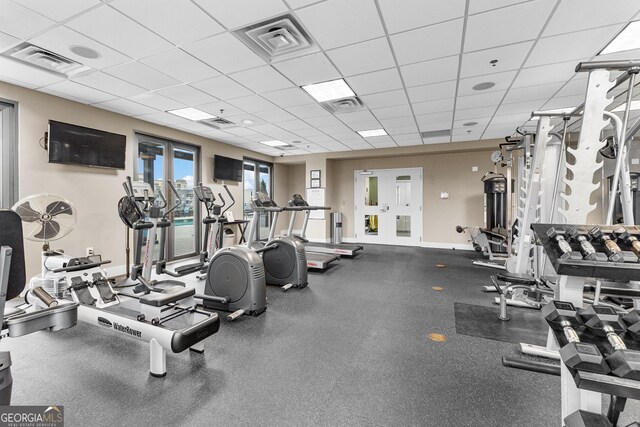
x=94, y=192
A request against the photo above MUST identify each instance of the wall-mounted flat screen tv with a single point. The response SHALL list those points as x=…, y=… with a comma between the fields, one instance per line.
x=227, y=169
x=71, y=144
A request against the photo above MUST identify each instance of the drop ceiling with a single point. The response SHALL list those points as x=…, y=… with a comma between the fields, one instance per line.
x=413, y=63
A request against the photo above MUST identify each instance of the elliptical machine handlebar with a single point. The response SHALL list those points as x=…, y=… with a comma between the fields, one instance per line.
x=128, y=188
x=177, y=196
x=233, y=201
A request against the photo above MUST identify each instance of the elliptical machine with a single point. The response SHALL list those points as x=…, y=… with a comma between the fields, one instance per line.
x=284, y=257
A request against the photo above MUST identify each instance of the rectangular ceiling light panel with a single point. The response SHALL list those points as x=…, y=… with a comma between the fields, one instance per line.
x=373, y=132
x=274, y=143
x=192, y=114
x=627, y=39
x=327, y=91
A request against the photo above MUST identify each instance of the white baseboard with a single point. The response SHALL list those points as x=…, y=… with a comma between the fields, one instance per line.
x=439, y=245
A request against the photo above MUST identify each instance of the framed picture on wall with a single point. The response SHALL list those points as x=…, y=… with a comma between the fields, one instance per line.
x=315, y=174
x=315, y=183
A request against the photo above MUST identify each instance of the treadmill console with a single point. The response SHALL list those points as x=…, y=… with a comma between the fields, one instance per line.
x=263, y=200
x=204, y=194
x=297, y=200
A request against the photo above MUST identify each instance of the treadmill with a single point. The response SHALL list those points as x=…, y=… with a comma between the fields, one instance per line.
x=339, y=249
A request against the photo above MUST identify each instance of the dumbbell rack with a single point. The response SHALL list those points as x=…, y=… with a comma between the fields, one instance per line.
x=620, y=389
x=579, y=389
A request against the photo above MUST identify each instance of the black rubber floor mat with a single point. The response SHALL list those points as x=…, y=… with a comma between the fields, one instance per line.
x=525, y=325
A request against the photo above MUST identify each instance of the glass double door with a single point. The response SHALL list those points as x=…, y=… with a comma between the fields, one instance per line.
x=158, y=161
x=257, y=177
x=389, y=206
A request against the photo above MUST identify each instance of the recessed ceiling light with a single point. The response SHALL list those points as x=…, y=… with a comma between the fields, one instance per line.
x=627, y=39
x=334, y=89
x=191, y=114
x=635, y=105
x=85, y=52
x=372, y=132
x=484, y=86
x=470, y=124
x=274, y=143
x=247, y=122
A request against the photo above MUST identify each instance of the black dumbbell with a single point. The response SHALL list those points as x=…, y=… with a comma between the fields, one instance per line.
x=624, y=235
x=605, y=322
x=583, y=418
x=610, y=246
x=632, y=320
x=563, y=316
x=588, y=251
x=557, y=234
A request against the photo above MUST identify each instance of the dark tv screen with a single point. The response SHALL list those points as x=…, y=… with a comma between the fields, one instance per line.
x=227, y=169
x=71, y=144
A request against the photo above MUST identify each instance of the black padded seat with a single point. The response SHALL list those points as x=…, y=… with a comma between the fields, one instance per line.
x=523, y=279
x=167, y=296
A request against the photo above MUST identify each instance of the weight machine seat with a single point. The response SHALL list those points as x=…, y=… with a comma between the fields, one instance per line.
x=11, y=236
x=167, y=296
x=522, y=279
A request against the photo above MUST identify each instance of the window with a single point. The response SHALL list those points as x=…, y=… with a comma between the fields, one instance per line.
x=8, y=154
x=257, y=176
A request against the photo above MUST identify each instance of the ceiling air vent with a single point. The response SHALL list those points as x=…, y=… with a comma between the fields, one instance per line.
x=278, y=38
x=44, y=59
x=436, y=133
x=218, y=123
x=343, y=105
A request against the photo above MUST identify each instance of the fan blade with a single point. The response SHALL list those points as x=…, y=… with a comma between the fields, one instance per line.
x=50, y=229
x=59, y=207
x=27, y=213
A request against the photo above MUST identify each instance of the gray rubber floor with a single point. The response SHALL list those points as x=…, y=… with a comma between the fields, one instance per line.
x=351, y=349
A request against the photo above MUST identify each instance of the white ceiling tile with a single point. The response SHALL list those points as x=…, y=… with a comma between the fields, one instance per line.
x=261, y=79
x=382, y=142
x=252, y=104
x=222, y=87
x=481, y=124
x=502, y=82
x=336, y=23
x=416, y=140
x=126, y=107
x=225, y=53
x=107, y=83
x=239, y=13
x=323, y=121
x=215, y=107
x=401, y=130
x=436, y=119
x=308, y=132
x=436, y=71
x=476, y=6
x=498, y=133
x=626, y=54
x=431, y=107
x=118, y=32
x=510, y=119
x=292, y=125
x=59, y=10
x=179, y=21
x=479, y=100
x=436, y=140
x=275, y=116
x=246, y=116
x=581, y=44
x=519, y=107
x=289, y=97
x=505, y=26
x=573, y=87
x=509, y=58
x=78, y=92
x=274, y=132
x=156, y=101
x=356, y=116
x=545, y=74
x=191, y=127
x=574, y=15
x=398, y=122
x=372, y=55
x=339, y=129
x=243, y=132
x=385, y=99
x=402, y=110
x=162, y=118
x=187, y=95
x=308, y=69
x=435, y=41
x=531, y=92
x=60, y=40
x=31, y=76
x=141, y=75
x=464, y=135
x=563, y=102
x=18, y=21
x=6, y=40
x=474, y=113
x=432, y=92
x=365, y=125
x=179, y=64
x=378, y=81
x=306, y=111
x=408, y=14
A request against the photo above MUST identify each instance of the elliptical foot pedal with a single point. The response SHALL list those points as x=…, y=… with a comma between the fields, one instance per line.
x=102, y=284
x=81, y=289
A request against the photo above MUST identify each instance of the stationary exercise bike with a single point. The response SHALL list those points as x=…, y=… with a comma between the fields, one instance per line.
x=284, y=257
